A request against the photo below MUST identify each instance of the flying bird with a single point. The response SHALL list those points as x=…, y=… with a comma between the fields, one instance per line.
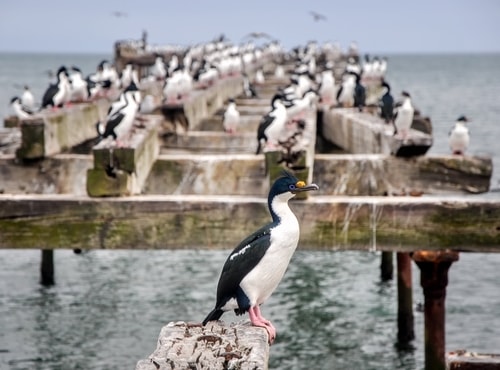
x=317, y=16
x=258, y=35
x=256, y=266
x=119, y=14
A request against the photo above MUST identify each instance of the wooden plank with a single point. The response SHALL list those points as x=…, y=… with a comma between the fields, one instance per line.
x=400, y=224
x=216, y=346
x=123, y=170
x=52, y=132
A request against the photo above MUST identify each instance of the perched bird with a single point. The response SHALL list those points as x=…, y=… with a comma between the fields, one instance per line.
x=231, y=119
x=345, y=94
x=19, y=110
x=57, y=94
x=359, y=93
x=259, y=77
x=403, y=116
x=459, y=136
x=28, y=100
x=386, y=104
x=256, y=266
x=248, y=88
x=327, y=89
x=121, y=116
x=272, y=126
x=158, y=70
x=79, y=89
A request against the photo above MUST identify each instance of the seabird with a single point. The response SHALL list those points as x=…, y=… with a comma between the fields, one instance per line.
x=327, y=88
x=345, y=94
x=231, y=119
x=317, y=16
x=121, y=116
x=272, y=126
x=28, y=100
x=403, y=116
x=256, y=266
x=79, y=89
x=19, y=110
x=386, y=104
x=459, y=136
x=248, y=88
x=57, y=94
x=359, y=93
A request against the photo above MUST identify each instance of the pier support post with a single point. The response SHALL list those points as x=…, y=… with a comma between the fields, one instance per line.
x=386, y=266
x=434, y=267
x=47, y=267
x=406, y=331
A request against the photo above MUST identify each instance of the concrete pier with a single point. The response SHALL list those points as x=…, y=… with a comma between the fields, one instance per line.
x=52, y=132
x=217, y=346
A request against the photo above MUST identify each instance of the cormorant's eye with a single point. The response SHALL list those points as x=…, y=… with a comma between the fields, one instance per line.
x=291, y=186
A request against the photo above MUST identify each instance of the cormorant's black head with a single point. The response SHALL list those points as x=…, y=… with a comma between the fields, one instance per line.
x=386, y=85
x=405, y=94
x=14, y=99
x=288, y=183
x=462, y=119
x=276, y=97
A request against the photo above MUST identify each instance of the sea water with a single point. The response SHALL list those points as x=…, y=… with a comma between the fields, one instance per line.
x=331, y=310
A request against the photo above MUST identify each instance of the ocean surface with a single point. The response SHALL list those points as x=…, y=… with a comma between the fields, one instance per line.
x=331, y=310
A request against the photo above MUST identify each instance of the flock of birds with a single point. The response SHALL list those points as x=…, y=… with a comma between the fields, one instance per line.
x=255, y=267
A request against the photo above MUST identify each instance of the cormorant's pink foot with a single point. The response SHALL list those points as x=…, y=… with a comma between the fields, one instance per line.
x=257, y=319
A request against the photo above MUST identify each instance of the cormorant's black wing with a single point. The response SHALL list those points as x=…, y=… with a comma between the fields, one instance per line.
x=48, y=96
x=261, y=130
x=240, y=262
x=112, y=124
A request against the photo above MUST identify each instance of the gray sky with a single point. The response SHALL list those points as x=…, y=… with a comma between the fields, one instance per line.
x=388, y=26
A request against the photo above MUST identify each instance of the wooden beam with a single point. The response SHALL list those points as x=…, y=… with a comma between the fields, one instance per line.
x=400, y=224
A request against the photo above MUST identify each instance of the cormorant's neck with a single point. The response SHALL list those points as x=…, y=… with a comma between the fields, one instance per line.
x=278, y=206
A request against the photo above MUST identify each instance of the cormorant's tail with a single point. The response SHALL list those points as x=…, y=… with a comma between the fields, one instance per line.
x=215, y=314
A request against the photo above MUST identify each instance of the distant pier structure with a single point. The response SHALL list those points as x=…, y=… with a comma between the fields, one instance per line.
x=63, y=188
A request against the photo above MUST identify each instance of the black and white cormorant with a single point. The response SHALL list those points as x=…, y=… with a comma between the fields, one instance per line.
x=272, y=125
x=255, y=267
x=386, y=104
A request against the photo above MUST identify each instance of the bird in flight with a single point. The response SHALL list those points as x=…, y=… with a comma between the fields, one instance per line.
x=317, y=16
x=119, y=14
x=258, y=35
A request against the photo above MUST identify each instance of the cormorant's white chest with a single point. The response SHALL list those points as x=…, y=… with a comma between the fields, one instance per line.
x=260, y=283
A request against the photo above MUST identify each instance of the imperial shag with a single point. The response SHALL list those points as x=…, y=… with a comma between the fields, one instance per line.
x=459, y=136
x=255, y=267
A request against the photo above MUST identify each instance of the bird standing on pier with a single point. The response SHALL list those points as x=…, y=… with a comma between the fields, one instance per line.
x=345, y=94
x=57, y=94
x=28, y=100
x=359, y=93
x=256, y=266
x=121, y=116
x=272, y=125
x=459, y=136
x=386, y=104
x=403, y=116
x=19, y=110
x=231, y=119
x=79, y=89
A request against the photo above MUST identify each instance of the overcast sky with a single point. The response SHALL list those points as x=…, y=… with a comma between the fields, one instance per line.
x=388, y=26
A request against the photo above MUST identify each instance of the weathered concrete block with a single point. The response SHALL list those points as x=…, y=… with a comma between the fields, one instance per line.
x=216, y=346
x=52, y=132
x=466, y=360
x=363, y=133
x=123, y=170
